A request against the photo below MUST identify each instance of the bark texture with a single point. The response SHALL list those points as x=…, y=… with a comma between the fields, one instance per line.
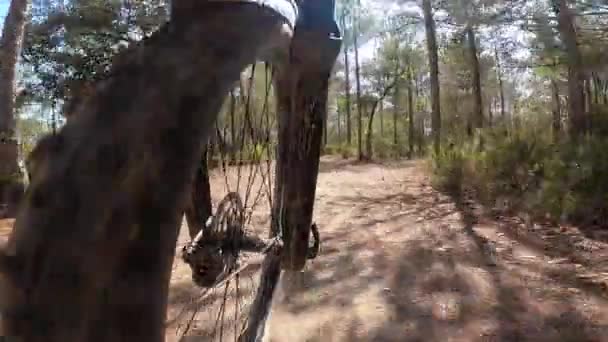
x=10, y=48
x=576, y=78
x=396, y=103
x=370, y=123
x=431, y=40
x=410, y=113
x=557, y=108
x=358, y=85
x=501, y=87
x=11, y=189
x=475, y=71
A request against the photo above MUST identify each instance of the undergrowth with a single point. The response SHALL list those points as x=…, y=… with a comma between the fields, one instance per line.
x=527, y=171
x=383, y=148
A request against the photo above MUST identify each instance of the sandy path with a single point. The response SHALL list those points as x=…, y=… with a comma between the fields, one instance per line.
x=398, y=264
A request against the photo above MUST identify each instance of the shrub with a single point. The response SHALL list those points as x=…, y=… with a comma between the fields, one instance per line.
x=330, y=150
x=384, y=148
x=555, y=180
x=448, y=168
x=346, y=151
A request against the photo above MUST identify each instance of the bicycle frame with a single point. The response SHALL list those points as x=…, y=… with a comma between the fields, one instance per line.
x=90, y=256
x=302, y=90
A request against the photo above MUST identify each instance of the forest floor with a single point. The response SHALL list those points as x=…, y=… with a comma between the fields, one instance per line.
x=401, y=261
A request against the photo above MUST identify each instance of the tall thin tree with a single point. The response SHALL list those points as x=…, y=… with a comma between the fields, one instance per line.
x=501, y=88
x=576, y=103
x=10, y=49
x=346, y=80
x=396, y=98
x=476, y=79
x=410, y=110
x=356, y=29
x=431, y=40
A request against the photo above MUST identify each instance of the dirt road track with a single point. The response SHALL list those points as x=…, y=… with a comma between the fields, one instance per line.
x=401, y=262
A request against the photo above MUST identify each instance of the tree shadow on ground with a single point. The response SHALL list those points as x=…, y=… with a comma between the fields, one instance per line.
x=450, y=282
x=453, y=286
x=319, y=283
x=441, y=293
x=595, y=232
x=511, y=312
x=424, y=206
x=345, y=263
x=551, y=242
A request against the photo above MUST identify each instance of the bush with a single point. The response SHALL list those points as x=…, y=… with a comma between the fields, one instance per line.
x=344, y=150
x=448, y=168
x=329, y=150
x=563, y=180
x=384, y=148
x=347, y=151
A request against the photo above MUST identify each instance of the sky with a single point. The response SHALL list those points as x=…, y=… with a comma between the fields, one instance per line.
x=3, y=9
x=367, y=51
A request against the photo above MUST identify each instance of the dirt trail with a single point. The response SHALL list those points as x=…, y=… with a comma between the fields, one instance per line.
x=399, y=263
x=402, y=262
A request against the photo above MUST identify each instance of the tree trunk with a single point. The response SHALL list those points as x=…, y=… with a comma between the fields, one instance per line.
x=469, y=115
x=490, y=113
x=501, y=88
x=358, y=84
x=199, y=207
x=381, y=116
x=475, y=71
x=324, y=133
x=95, y=239
x=576, y=104
x=431, y=39
x=11, y=188
x=410, y=113
x=10, y=48
x=339, y=125
x=395, y=114
x=369, y=151
x=421, y=136
x=347, y=88
x=588, y=97
x=557, y=108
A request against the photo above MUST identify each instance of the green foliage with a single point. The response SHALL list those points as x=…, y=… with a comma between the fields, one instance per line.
x=599, y=120
x=448, y=168
x=30, y=131
x=546, y=179
x=70, y=47
x=258, y=151
x=384, y=148
x=344, y=150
